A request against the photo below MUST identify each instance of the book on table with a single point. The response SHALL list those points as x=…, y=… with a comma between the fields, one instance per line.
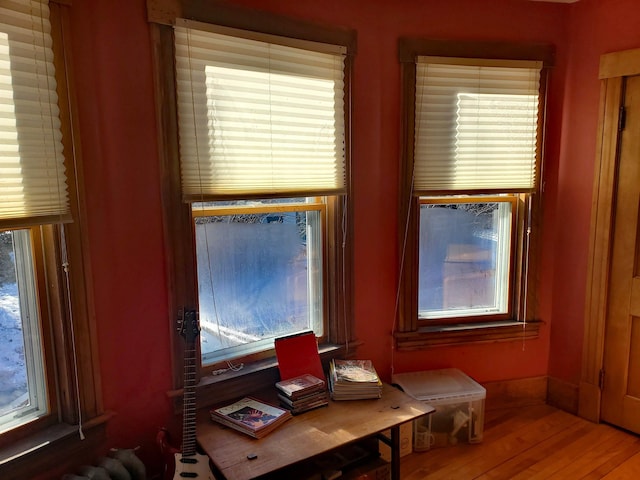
x=297, y=354
x=301, y=386
x=251, y=416
x=306, y=403
x=354, y=380
x=302, y=393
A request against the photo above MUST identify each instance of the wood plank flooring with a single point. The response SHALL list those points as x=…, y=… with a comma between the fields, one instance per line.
x=534, y=442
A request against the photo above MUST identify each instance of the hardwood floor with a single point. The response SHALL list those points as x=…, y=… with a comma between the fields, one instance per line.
x=534, y=442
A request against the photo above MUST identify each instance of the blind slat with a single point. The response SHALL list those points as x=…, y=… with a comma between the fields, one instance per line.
x=476, y=126
x=257, y=117
x=32, y=173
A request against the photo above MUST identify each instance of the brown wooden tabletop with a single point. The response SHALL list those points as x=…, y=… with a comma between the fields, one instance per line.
x=304, y=436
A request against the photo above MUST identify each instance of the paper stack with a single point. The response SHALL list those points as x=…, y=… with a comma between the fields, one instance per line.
x=302, y=393
x=354, y=380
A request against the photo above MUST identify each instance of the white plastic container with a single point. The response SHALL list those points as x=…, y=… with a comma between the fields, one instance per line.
x=459, y=404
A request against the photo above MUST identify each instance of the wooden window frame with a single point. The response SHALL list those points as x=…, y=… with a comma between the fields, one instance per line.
x=71, y=352
x=412, y=334
x=260, y=370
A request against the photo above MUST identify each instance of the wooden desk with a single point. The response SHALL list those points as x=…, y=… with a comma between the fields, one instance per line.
x=309, y=434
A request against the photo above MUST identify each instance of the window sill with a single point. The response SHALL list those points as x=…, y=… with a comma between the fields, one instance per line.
x=50, y=448
x=459, y=334
x=255, y=376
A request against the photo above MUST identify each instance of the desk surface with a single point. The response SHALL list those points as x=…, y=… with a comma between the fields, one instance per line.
x=306, y=435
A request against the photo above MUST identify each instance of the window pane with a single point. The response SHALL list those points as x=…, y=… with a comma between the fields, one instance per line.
x=22, y=393
x=259, y=277
x=464, y=259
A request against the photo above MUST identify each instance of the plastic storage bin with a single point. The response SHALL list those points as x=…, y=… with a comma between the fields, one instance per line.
x=459, y=404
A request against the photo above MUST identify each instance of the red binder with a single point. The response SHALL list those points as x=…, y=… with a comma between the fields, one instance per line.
x=298, y=354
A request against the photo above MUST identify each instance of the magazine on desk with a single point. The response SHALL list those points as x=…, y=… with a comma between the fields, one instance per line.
x=251, y=416
x=354, y=380
x=301, y=386
x=358, y=371
x=304, y=404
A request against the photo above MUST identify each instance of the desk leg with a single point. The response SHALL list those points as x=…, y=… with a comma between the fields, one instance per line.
x=395, y=453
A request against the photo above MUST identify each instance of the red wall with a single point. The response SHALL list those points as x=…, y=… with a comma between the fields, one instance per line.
x=596, y=27
x=113, y=72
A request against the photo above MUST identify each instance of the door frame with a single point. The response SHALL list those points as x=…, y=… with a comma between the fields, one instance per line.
x=613, y=68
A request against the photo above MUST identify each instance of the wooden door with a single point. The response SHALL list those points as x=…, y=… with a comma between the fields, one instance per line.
x=621, y=367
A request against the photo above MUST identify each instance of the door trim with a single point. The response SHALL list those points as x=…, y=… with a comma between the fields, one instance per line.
x=613, y=68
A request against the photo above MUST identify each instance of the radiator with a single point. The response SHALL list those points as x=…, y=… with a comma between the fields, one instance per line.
x=121, y=464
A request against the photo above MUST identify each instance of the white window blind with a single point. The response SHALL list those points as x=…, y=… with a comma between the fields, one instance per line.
x=258, y=116
x=476, y=125
x=32, y=174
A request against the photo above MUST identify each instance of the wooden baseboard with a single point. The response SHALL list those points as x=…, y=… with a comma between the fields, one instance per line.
x=533, y=391
x=516, y=393
x=563, y=395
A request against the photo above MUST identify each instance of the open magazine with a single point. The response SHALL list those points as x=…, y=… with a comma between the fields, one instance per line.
x=251, y=416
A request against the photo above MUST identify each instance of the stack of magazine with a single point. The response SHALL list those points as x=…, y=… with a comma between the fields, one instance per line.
x=251, y=416
x=302, y=393
x=354, y=380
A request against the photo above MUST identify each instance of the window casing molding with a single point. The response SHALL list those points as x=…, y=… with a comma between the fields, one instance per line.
x=221, y=13
x=179, y=234
x=411, y=333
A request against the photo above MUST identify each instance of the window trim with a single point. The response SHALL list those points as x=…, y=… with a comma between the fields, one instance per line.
x=410, y=333
x=56, y=435
x=182, y=280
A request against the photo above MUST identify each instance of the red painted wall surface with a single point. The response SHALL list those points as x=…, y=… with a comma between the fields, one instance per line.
x=113, y=73
x=596, y=27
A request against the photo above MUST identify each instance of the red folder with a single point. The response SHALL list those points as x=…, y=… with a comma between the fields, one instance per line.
x=298, y=354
